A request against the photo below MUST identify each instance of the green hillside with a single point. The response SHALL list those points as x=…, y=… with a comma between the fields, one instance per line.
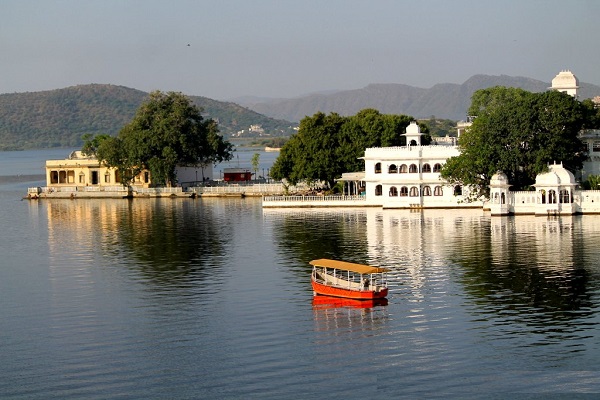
x=58, y=118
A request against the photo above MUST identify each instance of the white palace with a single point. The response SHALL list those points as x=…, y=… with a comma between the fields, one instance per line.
x=408, y=177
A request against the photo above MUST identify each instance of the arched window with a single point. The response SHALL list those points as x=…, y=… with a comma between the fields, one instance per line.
x=378, y=190
x=393, y=191
x=107, y=178
x=81, y=177
x=378, y=168
x=414, y=191
x=437, y=167
x=565, y=196
x=404, y=191
x=426, y=191
x=413, y=169
x=392, y=169
x=551, y=197
x=503, y=198
x=437, y=191
x=403, y=169
x=543, y=196
x=426, y=168
x=458, y=190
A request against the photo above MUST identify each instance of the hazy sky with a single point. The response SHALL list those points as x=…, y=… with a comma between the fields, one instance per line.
x=284, y=48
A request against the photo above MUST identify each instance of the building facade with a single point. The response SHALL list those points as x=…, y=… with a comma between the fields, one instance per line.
x=409, y=176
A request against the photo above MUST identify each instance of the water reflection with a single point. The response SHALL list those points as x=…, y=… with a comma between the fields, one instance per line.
x=336, y=314
x=169, y=241
x=308, y=234
x=527, y=270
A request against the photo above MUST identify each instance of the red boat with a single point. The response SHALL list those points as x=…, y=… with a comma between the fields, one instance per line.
x=327, y=302
x=348, y=280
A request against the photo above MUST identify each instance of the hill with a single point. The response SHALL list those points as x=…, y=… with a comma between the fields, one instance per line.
x=446, y=100
x=58, y=118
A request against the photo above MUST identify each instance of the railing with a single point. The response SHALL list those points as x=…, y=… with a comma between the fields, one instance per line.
x=258, y=188
x=312, y=199
x=160, y=190
x=74, y=189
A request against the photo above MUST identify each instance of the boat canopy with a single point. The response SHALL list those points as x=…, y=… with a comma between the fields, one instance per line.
x=347, y=266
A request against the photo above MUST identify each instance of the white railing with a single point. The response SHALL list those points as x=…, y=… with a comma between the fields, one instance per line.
x=160, y=190
x=259, y=188
x=314, y=198
x=73, y=189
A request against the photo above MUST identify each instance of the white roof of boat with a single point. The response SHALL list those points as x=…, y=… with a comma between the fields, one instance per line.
x=347, y=266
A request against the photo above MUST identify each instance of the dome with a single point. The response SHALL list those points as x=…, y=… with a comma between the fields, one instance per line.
x=565, y=80
x=557, y=176
x=499, y=179
x=413, y=129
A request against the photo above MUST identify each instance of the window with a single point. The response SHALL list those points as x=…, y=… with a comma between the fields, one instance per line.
x=426, y=168
x=107, y=178
x=458, y=190
x=378, y=168
x=565, y=196
x=378, y=190
x=393, y=191
x=596, y=146
x=437, y=167
x=437, y=191
x=413, y=169
x=414, y=191
x=404, y=191
x=551, y=197
x=392, y=169
x=403, y=169
x=53, y=176
x=81, y=177
x=543, y=196
x=426, y=191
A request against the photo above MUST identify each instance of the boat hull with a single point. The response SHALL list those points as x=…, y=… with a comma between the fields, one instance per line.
x=325, y=290
x=326, y=302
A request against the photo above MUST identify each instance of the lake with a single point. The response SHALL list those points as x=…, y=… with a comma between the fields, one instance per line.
x=211, y=299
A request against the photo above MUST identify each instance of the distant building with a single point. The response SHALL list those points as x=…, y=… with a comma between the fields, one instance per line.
x=237, y=175
x=565, y=82
x=79, y=170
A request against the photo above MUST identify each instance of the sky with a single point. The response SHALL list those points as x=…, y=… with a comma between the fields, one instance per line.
x=225, y=49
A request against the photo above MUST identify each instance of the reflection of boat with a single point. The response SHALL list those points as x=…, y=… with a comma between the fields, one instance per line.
x=348, y=280
x=324, y=302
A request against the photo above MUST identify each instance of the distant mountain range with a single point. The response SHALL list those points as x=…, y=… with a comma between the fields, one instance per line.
x=444, y=100
x=58, y=118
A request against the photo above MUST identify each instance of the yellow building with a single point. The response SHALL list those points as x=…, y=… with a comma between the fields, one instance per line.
x=79, y=170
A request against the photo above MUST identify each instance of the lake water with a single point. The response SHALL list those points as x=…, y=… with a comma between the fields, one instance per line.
x=211, y=299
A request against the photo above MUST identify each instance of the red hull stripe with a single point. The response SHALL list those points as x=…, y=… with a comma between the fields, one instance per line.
x=350, y=294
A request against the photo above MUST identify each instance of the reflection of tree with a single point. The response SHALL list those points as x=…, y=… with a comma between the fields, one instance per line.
x=169, y=237
x=514, y=268
x=307, y=235
x=166, y=239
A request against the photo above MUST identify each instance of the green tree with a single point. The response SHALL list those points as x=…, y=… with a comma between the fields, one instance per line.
x=92, y=142
x=255, y=163
x=518, y=133
x=328, y=145
x=167, y=131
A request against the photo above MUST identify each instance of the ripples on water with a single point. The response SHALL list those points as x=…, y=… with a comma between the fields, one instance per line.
x=211, y=299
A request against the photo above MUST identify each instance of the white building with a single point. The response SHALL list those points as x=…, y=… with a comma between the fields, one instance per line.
x=565, y=82
x=409, y=176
